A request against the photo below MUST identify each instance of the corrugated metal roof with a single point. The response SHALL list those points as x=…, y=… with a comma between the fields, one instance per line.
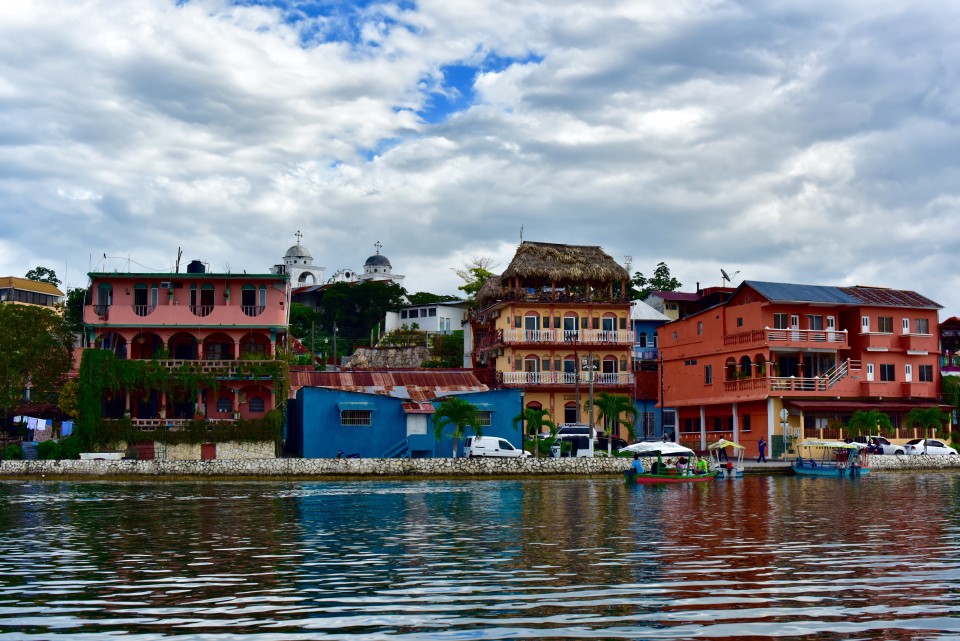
x=418, y=408
x=641, y=311
x=417, y=385
x=890, y=297
x=28, y=285
x=801, y=293
x=677, y=296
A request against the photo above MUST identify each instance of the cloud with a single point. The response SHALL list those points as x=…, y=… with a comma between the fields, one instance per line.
x=806, y=142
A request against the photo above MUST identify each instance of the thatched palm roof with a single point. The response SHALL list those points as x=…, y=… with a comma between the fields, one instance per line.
x=549, y=262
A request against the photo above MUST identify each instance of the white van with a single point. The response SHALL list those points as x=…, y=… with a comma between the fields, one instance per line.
x=490, y=446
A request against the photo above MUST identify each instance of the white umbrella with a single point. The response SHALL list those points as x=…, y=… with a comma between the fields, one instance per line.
x=664, y=448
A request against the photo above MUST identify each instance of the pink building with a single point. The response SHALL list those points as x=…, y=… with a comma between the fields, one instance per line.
x=785, y=362
x=229, y=324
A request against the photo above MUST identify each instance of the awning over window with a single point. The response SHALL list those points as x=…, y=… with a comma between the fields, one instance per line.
x=355, y=405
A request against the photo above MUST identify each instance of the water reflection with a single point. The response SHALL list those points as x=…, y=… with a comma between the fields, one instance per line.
x=548, y=559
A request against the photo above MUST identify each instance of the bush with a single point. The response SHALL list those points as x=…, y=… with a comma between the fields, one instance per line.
x=11, y=453
x=48, y=450
x=69, y=448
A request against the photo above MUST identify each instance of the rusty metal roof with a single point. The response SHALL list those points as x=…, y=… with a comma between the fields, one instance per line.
x=418, y=408
x=419, y=386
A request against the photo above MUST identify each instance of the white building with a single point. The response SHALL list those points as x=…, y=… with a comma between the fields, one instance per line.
x=434, y=318
x=298, y=263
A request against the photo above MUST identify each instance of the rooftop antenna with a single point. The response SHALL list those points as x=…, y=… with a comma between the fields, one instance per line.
x=521, y=234
x=727, y=277
x=179, y=254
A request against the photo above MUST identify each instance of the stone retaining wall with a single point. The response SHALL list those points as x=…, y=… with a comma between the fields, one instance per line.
x=310, y=468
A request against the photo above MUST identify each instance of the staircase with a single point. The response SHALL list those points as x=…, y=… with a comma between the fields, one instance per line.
x=840, y=372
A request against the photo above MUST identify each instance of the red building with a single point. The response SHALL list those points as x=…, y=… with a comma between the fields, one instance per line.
x=784, y=361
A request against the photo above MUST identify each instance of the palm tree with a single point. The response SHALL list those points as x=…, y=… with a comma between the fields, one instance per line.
x=535, y=420
x=869, y=421
x=611, y=407
x=459, y=413
x=926, y=418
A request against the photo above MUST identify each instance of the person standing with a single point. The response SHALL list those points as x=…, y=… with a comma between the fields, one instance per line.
x=762, y=444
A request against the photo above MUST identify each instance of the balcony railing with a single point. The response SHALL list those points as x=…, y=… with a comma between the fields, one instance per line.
x=201, y=310
x=143, y=310
x=252, y=310
x=828, y=337
x=566, y=378
x=101, y=310
x=569, y=336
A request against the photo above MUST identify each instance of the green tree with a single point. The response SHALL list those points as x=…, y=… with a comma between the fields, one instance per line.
x=535, y=420
x=474, y=275
x=446, y=350
x=43, y=275
x=357, y=308
x=303, y=320
x=611, y=408
x=36, y=351
x=73, y=312
x=459, y=413
x=927, y=418
x=426, y=298
x=869, y=422
x=661, y=281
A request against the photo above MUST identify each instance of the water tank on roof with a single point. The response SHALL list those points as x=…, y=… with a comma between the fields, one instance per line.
x=196, y=267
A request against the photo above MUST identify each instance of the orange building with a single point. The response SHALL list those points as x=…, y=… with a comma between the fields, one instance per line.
x=784, y=361
x=223, y=328
x=539, y=324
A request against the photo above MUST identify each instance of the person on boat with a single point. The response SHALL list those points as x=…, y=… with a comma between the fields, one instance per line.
x=701, y=467
x=637, y=466
x=681, y=466
x=656, y=468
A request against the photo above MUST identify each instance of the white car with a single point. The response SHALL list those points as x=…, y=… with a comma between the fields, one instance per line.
x=887, y=446
x=491, y=446
x=929, y=446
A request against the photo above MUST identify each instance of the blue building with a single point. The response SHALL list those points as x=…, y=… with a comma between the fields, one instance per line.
x=646, y=322
x=388, y=414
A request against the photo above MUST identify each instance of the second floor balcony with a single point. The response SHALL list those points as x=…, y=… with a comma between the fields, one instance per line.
x=567, y=337
x=571, y=379
x=800, y=338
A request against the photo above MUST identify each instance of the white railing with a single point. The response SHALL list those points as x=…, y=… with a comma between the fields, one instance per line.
x=576, y=336
x=567, y=378
x=807, y=335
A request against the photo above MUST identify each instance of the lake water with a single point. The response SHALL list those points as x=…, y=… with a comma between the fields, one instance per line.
x=757, y=558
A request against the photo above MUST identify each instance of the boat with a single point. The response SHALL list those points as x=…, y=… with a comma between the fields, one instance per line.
x=660, y=473
x=727, y=469
x=831, y=458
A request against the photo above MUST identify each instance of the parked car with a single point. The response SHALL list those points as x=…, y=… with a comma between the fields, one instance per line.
x=581, y=438
x=491, y=446
x=888, y=447
x=929, y=446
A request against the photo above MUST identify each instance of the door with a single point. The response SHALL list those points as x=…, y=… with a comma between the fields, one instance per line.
x=570, y=330
x=531, y=365
x=908, y=373
x=531, y=327
x=609, y=326
x=869, y=372
x=831, y=329
x=795, y=326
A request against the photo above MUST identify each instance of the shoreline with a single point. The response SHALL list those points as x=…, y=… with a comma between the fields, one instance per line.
x=307, y=469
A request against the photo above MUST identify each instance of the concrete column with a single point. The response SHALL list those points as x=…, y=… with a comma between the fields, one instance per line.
x=703, y=427
x=736, y=425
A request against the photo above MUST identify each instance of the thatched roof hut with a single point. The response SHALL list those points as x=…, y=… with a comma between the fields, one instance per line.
x=546, y=263
x=551, y=266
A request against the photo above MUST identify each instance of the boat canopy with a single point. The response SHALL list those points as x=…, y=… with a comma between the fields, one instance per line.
x=725, y=443
x=831, y=444
x=664, y=448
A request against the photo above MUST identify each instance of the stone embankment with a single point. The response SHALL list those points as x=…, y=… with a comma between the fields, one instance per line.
x=325, y=468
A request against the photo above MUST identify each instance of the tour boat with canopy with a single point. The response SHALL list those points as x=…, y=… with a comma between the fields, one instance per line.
x=731, y=467
x=831, y=458
x=658, y=472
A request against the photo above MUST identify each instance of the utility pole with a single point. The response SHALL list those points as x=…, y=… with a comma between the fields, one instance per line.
x=579, y=367
x=592, y=376
x=661, y=396
x=336, y=356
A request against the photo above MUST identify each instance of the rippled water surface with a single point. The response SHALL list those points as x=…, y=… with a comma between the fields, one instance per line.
x=763, y=557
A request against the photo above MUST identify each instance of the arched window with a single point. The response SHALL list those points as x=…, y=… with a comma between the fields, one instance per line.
x=730, y=368
x=761, y=365
x=257, y=405
x=746, y=367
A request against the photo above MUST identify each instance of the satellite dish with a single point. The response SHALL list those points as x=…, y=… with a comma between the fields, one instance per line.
x=727, y=277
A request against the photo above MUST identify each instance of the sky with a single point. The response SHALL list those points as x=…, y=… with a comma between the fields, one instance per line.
x=800, y=141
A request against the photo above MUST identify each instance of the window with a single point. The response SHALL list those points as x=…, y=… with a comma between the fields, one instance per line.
x=484, y=418
x=642, y=339
x=815, y=322
x=888, y=372
x=257, y=406
x=674, y=336
x=745, y=421
x=740, y=321
x=717, y=424
x=403, y=313
x=708, y=374
x=355, y=417
x=433, y=311
x=921, y=326
x=699, y=328
x=781, y=321
x=414, y=313
x=885, y=324
x=925, y=372
x=224, y=405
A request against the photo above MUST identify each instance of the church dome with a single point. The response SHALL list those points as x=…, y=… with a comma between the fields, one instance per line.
x=298, y=251
x=377, y=260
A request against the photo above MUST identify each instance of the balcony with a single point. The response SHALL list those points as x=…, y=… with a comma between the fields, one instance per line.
x=601, y=379
x=103, y=311
x=570, y=337
x=645, y=353
x=793, y=338
x=918, y=342
x=201, y=310
x=143, y=310
x=252, y=310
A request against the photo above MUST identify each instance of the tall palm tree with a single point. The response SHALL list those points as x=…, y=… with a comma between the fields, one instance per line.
x=612, y=407
x=869, y=421
x=535, y=420
x=459, y=413
x=926, y=418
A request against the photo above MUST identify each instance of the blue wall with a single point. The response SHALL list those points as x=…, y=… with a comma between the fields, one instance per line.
x=316, y=431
